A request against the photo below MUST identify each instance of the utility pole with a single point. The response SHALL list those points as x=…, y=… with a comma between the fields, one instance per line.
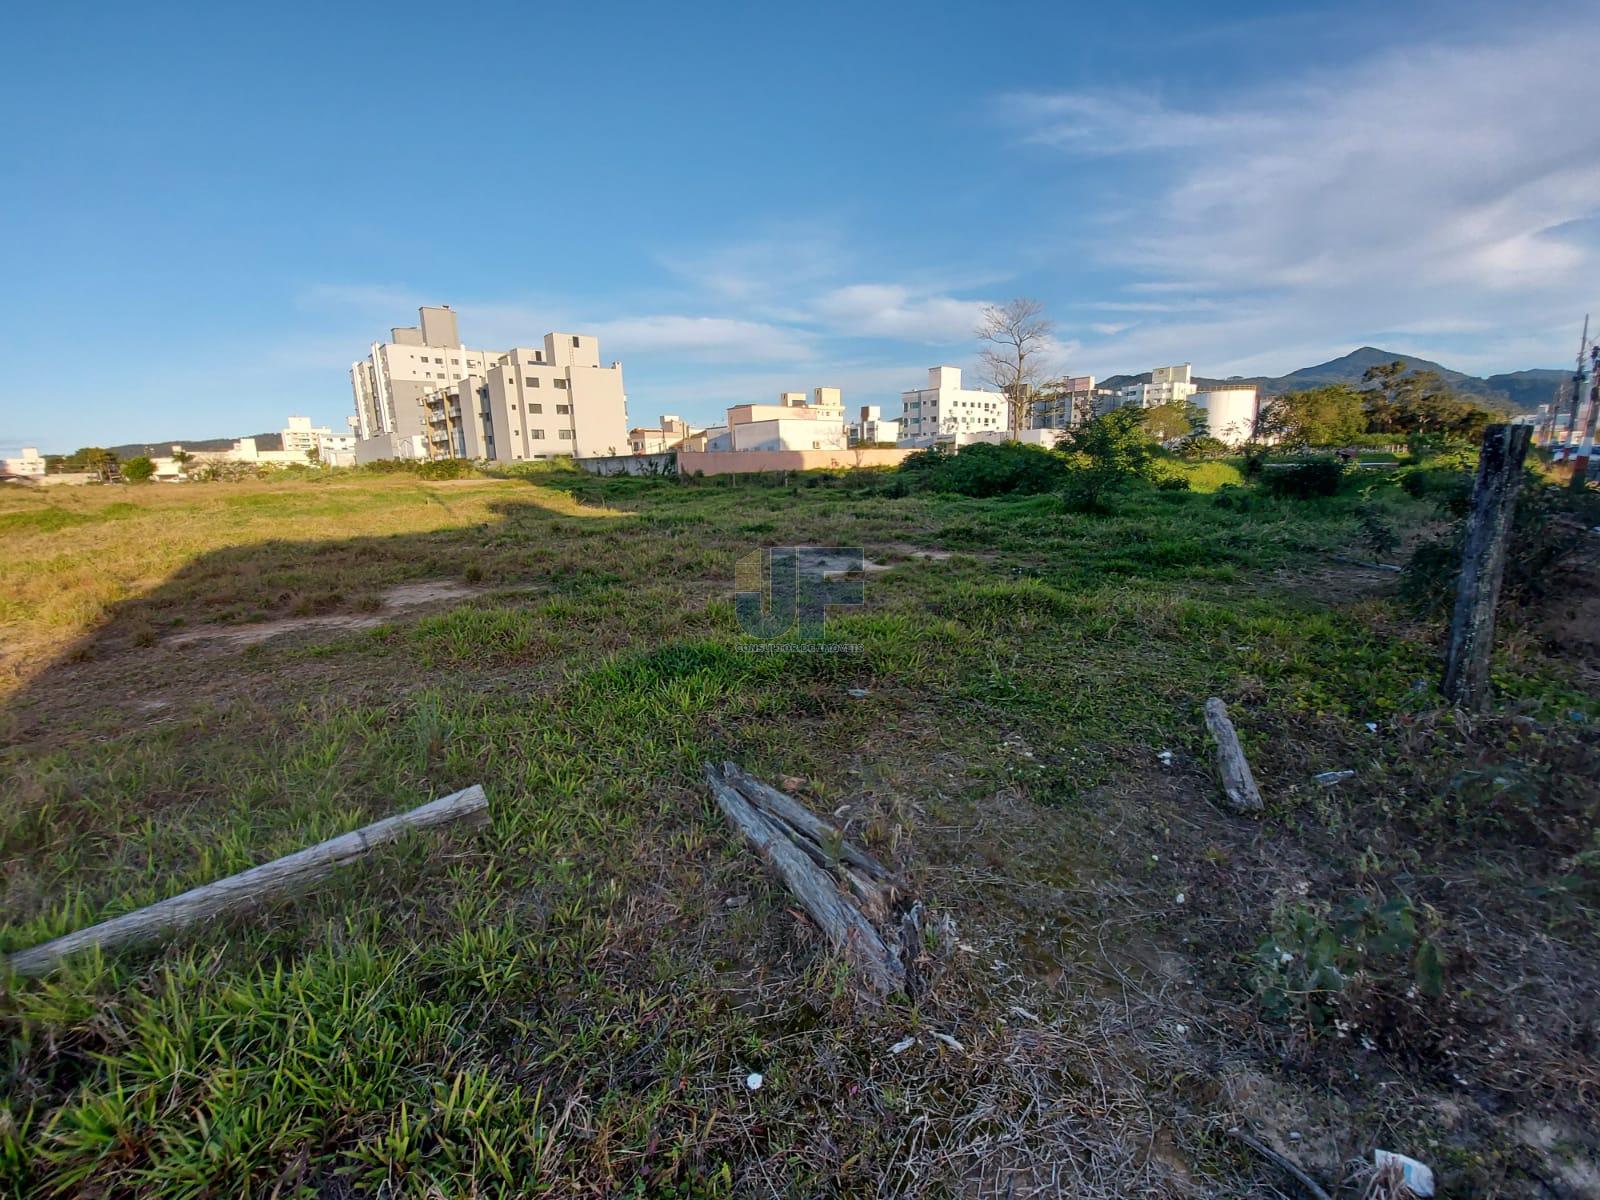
x=1580, y=464
x=1577, y=392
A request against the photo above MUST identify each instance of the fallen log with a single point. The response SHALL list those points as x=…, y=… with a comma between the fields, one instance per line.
x=1238, y=784
x=292, y=872
x=784, y=806
x=787, y=852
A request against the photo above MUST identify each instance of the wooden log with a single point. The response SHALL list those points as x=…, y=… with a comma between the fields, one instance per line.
x=1238, y=784
x=292, y=872
x=1483, y=563
x=840, y=921
x=769, y=799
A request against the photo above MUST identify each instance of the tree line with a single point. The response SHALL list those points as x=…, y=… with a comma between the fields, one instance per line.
x=1017, y=338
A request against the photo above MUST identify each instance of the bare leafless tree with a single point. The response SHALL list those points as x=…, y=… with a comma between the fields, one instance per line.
x=1017, y=334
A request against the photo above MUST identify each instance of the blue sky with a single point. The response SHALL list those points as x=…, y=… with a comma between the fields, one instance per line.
x=210, y=210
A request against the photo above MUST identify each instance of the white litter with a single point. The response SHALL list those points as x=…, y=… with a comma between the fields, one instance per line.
x=902, y=1046
x=1024, y=1013
x=951, y=1042
x=753, y=1081
x=1329, y=778
x=858, y=693
x=1166, y=758
x=1417, y=1176
x=1180, y=898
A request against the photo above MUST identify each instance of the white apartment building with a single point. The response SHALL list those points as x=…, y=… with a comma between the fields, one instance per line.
x=425, y=395
x=790, y=424
x=656, y=439
x=1166, y=385
x=944, y=408
x=28, y=465
x=1069, y=402
x=873, y=428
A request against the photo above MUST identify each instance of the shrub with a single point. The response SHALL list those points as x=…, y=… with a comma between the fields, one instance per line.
x=1202, y=448
x=1319, y=967
x=1550, y=527
x=983, y=470
x=138, y=470
x=1314, y=477
x=446, y=468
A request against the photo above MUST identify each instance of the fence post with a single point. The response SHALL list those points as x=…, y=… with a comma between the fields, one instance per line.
x=1483, y=562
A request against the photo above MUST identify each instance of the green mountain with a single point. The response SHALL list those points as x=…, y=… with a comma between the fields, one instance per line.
x=1519, y=389
x=1524, y=390
x=264, y=441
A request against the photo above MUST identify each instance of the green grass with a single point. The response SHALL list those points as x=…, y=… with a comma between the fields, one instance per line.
x=568, y=1002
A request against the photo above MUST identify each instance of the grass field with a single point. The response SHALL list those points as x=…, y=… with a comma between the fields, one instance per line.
x=200, y=678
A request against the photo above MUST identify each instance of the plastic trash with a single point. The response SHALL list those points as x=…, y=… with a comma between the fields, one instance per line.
x=1329, y=778
x=753, y=1081
x=1415, y=1175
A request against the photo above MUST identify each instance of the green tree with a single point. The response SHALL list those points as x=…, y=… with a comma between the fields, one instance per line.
x=1171, y=421
x=138, y=470
x=96, y=459
x=1107, y=452
x=1419, y=403
x=1324, y=416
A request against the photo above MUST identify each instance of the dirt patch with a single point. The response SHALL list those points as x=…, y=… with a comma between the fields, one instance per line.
x=401, y=597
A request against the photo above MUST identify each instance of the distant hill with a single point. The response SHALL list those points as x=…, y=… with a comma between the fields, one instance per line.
x=264, y=441
x=1524, y=390
x=1519, y=389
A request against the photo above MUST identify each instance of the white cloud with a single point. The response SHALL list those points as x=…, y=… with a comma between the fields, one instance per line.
x=1443, y=193
x=890, y=310
x=703, y=338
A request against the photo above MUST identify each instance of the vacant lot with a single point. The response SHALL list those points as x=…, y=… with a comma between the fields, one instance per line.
x=198, y=679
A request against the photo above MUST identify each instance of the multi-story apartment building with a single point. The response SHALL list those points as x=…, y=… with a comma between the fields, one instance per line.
x=790, y=424
x=425, y=395
x=1070, y=401
x=944, y=408
x=1166, y=385
x=656, y=439
x=873, y=428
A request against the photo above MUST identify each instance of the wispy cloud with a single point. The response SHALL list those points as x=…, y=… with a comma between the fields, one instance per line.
x=1442, y=193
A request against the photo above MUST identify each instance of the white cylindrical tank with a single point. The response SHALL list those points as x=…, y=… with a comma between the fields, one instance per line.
x=1230, y=413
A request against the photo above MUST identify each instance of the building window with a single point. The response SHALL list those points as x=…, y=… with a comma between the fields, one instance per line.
x=563, y=409
x=536, y=434
x=561, y=383
x=539, y=408
x=533, y=381
x=566, y=433
x=538, y=356
x=574, y=341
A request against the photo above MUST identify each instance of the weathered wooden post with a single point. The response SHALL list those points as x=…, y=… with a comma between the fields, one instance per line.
x=1483, y=563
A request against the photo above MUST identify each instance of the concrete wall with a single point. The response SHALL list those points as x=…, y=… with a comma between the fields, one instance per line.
x=665, y=463
x=730, y=462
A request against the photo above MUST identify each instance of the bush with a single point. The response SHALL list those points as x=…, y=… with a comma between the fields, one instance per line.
x=1321, y=967
x=983, y=470
x=1550, y=527
x=1314, y=477
x=1202, y=448
x=138, y=470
